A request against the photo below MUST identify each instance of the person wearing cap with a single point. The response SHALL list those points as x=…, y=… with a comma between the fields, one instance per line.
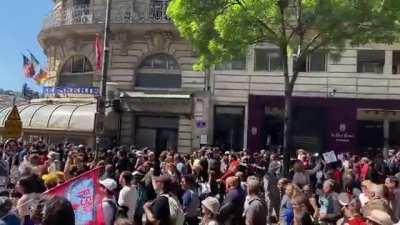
x=351, y=208
x=110, y=208
x=378, y=217
x=209, y=208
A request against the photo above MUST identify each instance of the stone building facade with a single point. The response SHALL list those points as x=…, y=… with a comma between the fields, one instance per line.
x=165, y=104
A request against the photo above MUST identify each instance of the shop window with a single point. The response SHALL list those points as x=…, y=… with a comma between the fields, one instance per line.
x=316, y=62
x=228, y=127
x=159, y=71
x=268, y=60
x=396, y=62
x=235, y=64
x=370, y=134
x=76, y=72
x=370, y=61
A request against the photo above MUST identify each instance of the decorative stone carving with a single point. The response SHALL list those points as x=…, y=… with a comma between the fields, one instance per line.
x=69, y=45
x=122, y=39
x=158, y=41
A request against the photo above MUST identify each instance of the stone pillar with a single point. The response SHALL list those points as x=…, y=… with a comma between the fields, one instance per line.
x=386, y=132
x=184, y=135
x=388, y=67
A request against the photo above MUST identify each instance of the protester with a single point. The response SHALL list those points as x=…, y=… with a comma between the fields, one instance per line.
x=226, y=187
x=210, y=208
x=58, y=211
x=191, y=201
x=330, y=210
x=231, y=209
x=6, y=214
x=110, y=208
x=128, y=195
x=158, y=211
x=30, y=187
x=256, y=209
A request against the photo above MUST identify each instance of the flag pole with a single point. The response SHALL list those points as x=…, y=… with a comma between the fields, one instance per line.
x=101, y=100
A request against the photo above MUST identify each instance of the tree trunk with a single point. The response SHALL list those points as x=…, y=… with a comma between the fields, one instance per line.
x=287, y=132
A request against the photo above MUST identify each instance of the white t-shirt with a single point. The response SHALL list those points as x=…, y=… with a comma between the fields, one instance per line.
x=128, y=197
x=109, y=211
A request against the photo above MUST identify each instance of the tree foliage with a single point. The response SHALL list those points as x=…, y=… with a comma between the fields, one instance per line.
x=223, y=29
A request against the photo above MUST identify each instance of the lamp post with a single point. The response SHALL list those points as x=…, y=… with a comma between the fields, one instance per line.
x=101, y=100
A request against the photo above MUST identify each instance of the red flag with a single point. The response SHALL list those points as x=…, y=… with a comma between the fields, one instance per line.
x=29, y=68
x=99, y=53
x=85, y=196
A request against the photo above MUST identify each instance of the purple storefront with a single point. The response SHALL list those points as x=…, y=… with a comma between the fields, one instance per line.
x=325, y=124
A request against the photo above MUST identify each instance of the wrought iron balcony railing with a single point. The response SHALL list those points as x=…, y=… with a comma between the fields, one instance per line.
x=138, y=12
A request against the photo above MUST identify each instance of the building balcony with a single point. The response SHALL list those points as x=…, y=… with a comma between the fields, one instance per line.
x=153, y=12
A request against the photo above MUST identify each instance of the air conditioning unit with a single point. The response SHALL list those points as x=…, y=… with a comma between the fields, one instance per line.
x=86, y=19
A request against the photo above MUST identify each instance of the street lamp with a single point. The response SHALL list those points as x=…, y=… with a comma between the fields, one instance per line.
x=101, y=100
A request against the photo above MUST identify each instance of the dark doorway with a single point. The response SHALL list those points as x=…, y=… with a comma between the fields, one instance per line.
x=370, y=134
x=228, y=127
x=158, y=133
x=272, y=131
x=309, y=128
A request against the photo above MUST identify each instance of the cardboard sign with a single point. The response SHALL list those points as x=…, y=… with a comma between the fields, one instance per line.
x=329, y=157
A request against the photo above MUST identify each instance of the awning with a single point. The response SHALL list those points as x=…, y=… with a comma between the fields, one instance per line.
x=77, y=117
x=157, y=102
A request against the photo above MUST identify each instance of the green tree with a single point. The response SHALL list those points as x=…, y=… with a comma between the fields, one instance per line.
x=221, y=30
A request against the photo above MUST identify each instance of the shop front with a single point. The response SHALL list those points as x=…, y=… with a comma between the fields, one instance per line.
x=325, y=124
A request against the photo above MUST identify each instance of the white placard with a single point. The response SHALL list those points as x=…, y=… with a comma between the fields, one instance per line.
x=329, y=157
x=203, y=139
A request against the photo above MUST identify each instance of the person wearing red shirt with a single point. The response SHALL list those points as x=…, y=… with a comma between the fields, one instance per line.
x=365, y=169
x=352, y=210
x=234, y=164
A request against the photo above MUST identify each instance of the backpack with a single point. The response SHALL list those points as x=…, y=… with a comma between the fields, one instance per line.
x=175, y=210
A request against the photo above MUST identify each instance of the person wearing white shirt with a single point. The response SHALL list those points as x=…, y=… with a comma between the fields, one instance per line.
x=110, y=208
x=128, y=195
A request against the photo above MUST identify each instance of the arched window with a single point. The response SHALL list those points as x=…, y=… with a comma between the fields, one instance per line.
x=76, y=72
x=159, y=71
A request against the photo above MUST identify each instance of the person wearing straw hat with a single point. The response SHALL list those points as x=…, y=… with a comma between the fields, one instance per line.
x=210, y=208
x=378, y=217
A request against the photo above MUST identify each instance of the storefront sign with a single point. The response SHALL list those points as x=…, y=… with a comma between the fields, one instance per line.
x=341, y=135
x=71, y=91
x=200, y=124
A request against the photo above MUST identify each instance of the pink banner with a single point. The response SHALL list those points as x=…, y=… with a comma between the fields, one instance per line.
x=85, y=196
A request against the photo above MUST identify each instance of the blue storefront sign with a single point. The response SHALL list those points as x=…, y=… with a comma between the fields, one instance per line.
x=70, y=91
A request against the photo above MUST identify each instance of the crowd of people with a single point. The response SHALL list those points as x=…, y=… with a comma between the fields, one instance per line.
x=208, y=186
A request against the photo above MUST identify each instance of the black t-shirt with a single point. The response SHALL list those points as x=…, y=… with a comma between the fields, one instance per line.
x=160, y=209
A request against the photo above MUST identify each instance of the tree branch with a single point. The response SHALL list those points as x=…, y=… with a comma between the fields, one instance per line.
x=260, y=21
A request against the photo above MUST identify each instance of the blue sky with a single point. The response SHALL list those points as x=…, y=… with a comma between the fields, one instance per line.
x=21, y=23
